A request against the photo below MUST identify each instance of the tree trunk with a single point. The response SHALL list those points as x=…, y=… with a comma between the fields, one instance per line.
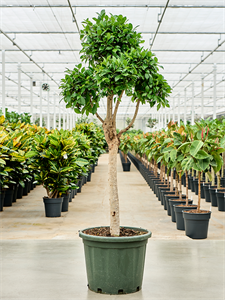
x=199, y=191
x=218, y=180
x=186, y=175
x=125, y=157
x=113, y=143
x=176, y=186
x=171, y=180
x=180, y=187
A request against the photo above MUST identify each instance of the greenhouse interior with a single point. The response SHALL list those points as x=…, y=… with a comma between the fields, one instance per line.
x=112, y=149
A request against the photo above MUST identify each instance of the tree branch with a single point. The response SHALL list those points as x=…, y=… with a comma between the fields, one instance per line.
x=97, y=115
x=109, y=106
x=132, y=121
x=117, y=106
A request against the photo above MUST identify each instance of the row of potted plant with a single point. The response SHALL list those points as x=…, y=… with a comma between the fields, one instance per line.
x=195, y=150
x=59, y=160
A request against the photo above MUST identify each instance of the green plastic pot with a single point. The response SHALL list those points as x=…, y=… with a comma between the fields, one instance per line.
x=115, y=265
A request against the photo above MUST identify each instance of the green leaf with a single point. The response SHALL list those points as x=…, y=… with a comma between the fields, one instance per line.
x=219, y=161
x=203, y=164
x=201, y=155
x=31, y=154
x=187, y=163
x=195, y=147
x=167, y=149
x=173, y=154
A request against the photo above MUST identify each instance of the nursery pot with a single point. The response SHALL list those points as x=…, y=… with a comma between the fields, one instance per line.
x=206, y=192
x=220, y=201
x=179, y=215
x=15, y=192
x=65, y=203
x=115, y=265
x=53, y=207
x=89, y=176
x=126, y=166
x=19, y=192
x=8, y=197
x=171, y=196
x=79, y=183
x=25, y=189
x=93, y=168
x=161, y=191
x=196, y=224
x=2, y=197
x=212, y=193
x=173, y=202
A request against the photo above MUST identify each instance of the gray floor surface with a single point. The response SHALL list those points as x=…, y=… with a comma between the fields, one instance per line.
x=55, y=269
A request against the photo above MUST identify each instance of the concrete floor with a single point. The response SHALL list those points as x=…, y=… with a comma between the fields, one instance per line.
x=42, y=258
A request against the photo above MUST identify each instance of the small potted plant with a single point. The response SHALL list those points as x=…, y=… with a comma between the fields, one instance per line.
x=54, y=157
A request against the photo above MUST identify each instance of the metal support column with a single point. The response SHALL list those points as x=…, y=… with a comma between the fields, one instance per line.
x=193, y=105
x=202, y=94
x=54, y=117
x=185, y=106
x=31, y=98
x=3, y=82
x=165, y=118
x=48, y=112
x=71, y=124
x=59, y=124
x=19, y=88
x=64, y=116
x=173, y=109
x=214, y=92
x=178, y=110
x=41, y=104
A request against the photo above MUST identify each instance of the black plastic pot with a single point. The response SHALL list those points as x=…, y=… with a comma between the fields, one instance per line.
x=2, y=197
x=167, y=197
x=220, y=201
x=65, y=203
x=15, y=192
x=196, y=186
x=53, y=207
x=158, y=186
x=126, y=166
x=196, y=224
x=8, y=197
x=71, y=195
x=25, y=189
x=179, y=215
x=29, y=186
x=79, y=183
x=93, y=168
x=212, y=192
x=161, y=191
x=206, y=192
x=193, y=184
x=89, y=176
x=173, y=202
x=19, y=192
x=115, y=265
x=222, y=182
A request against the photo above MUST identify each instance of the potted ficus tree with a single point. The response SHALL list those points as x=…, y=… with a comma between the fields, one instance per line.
x=201, y=154
x=55, y=159
x=117, y=65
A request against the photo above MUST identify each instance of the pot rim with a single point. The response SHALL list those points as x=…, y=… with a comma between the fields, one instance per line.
x=106, y=239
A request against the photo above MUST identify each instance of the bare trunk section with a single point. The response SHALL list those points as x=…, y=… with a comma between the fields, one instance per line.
x=218, y=180
x=113, y=142
x=113, y=191
x=180, y=187
x=171, y=180
x=186, y=175
x=176, y=186
x=199, y=191
x=125, y=157
x=213, y=177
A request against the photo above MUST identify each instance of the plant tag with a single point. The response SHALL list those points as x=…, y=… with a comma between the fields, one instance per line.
x=65, y=156
x=216, y=190
x=210, y=208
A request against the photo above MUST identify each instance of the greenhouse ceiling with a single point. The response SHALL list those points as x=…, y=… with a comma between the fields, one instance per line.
x=41, y=38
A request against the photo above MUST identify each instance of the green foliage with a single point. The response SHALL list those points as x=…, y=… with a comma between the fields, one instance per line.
x=37, y=122
x=117, y=63
x=128, y=121
x=14, y=117
x=151, y=122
